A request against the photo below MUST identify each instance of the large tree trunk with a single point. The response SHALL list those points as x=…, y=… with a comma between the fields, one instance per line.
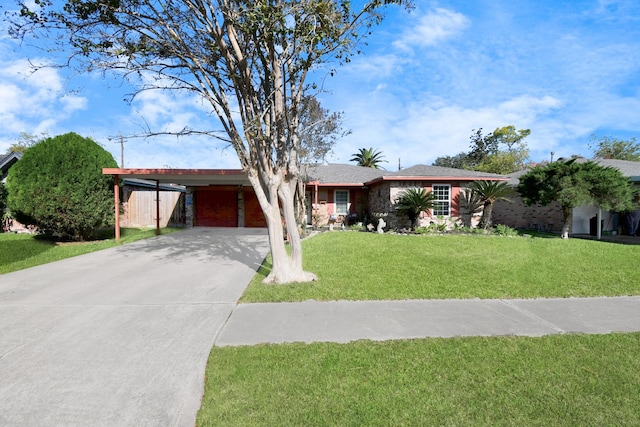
x=567, y=214
x=274, y=198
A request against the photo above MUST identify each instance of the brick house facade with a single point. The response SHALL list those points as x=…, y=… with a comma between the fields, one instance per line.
x=371, y=194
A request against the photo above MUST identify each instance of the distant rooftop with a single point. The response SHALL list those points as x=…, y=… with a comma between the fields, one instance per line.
x=628, y=168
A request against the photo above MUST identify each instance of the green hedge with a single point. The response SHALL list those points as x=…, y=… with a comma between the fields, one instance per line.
x=59, y=187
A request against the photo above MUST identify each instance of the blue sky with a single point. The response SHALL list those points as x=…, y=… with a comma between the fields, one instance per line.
x=564, y=69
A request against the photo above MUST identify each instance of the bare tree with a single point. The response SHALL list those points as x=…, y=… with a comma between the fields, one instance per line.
x=249, y=59
x=319, y=130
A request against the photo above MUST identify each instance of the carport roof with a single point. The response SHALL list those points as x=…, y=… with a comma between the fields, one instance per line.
x=186, y=177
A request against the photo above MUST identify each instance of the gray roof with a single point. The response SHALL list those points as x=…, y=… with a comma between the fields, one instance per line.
x=7, y=161
x=628, y=168
x=343, y=174
x=514, y=178
x=136, y=182
x=439, y=171
x=358, y=175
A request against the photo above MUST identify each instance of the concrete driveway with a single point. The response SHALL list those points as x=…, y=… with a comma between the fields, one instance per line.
x=120, y=337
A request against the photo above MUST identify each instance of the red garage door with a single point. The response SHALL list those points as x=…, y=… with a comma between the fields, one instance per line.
x=217, y=206
x=253, y=216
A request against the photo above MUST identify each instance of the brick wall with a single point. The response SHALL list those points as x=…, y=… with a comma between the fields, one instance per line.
x=518, y=215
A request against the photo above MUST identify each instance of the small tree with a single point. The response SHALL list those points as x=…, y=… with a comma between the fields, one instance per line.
x=411, y=202
x=248, y=60
x=26, y=141
x=368, y=158
x=502, y=151
x=459, y=161
x=572, y=184
x=614, y=148
x=319, y=131
x=489, y=192
x=58, y=186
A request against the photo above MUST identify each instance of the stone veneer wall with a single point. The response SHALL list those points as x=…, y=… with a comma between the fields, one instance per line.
x=189, y=209
x=380, y=205
x=518, y=215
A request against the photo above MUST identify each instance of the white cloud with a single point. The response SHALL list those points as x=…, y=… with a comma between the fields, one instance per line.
x=73, y=103
x=436, y=26
x=419, y=131
x=33, y=101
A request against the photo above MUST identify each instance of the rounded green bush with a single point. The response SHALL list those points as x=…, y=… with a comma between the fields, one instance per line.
x=58, y=186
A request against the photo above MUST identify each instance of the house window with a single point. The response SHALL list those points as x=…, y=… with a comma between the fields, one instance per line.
x=342, y=202
x=442, y=201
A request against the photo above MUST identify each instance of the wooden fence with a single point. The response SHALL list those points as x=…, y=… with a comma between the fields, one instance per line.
x=140, y=208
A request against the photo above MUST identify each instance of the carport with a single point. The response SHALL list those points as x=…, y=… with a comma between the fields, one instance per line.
x=222, y=195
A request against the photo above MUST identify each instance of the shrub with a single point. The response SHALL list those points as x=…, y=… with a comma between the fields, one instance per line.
x=58, y=186
x=357, y=227
x=412, y=201
x=422, y=230
x=3, y=198
x=505, y=230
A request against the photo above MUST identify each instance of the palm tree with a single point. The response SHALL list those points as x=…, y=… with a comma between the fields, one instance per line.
x=412, y=201
x=369, y=158
x=490, y=192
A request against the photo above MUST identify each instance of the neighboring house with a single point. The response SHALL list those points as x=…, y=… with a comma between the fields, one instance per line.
x=6, y=162
x=584, y=217
x=348, y=194
x=336, y=193
x=549, y=218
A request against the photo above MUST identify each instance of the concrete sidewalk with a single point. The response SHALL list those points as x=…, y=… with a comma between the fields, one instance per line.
x=344, y=321
x=120, y=337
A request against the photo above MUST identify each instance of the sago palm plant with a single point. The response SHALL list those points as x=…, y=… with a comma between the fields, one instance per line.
x=490, y=192
x=412, y=201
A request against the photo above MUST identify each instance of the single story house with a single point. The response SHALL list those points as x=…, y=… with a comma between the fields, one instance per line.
x=336, y=193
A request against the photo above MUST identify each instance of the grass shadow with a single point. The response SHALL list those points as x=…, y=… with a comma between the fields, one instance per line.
x=21, y=248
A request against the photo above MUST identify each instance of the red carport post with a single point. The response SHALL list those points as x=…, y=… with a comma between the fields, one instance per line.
x=116, y=196
x=157, y=206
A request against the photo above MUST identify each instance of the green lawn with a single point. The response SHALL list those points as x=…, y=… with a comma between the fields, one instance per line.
x=564, y=380
x=559, y=380
x=369, y=266
x=19, y=251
